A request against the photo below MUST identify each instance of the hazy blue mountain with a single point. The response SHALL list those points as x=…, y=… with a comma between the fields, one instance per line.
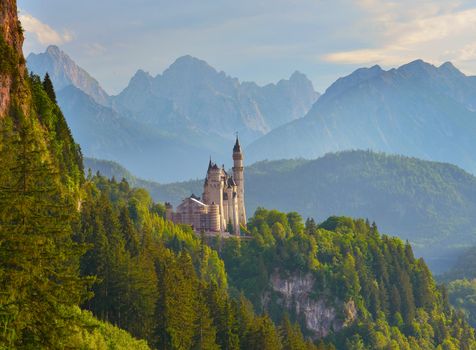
x=192, y=93
x=418, y=110
x=146, y=150
x=64, y=71
x=160, y=126
x=429, y=203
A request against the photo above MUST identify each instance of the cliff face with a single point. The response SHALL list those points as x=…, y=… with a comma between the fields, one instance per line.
x=10, y=25
x=320, y=316
x=12, y=63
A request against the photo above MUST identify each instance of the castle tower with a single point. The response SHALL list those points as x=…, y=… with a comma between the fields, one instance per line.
x=239, y=180
x=213, y=191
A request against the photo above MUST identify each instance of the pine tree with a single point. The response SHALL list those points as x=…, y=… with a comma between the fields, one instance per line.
x=128, y=231
x=224, y=318
x=292, y=336
x=205, y=331
x=179, y=302
x=264, y=335
x=48, y=86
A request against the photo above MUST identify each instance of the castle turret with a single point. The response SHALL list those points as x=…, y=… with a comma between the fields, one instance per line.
x=214, y=214
x=169, y=211
x=213, y=191
x=238, y=176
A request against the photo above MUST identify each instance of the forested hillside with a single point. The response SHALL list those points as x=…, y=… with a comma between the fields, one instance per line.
x=431, y=204
x=341, y=282
x=40, y=178
x=161, y=282
x=344, y=281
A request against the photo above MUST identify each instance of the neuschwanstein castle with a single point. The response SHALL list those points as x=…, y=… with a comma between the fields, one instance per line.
x=222, y=206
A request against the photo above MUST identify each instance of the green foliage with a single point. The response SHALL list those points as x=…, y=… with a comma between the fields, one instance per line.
x=397, y=303
x=162, y=282
x=65, y=153
x=97, y=335
x=39, y=260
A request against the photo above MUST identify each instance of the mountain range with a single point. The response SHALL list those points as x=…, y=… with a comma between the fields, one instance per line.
x=430, y=204
x=191, y=111
x=188, y=113
x=418, y=110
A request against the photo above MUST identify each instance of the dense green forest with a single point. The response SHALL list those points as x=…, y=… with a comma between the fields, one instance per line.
x=382, y=296
x=431, y=204
x=161, y=282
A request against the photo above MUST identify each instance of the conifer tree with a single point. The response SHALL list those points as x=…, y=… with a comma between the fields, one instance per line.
x=264, y=335
x=49, y=89
x=205, y=331
x=292, y=336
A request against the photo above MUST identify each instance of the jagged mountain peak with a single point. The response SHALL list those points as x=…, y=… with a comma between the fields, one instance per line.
x=55, y=50
x=190, y=65
x=298, y=78
x=64, y=71
x=449, y=68
x=140, y=76
x=356, y=77
x=417, y=67
x=297, y=75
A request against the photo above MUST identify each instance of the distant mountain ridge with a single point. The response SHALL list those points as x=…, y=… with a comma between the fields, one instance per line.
x=429, y=203
x=417, y=110
x=188, y=113
x=191, y=92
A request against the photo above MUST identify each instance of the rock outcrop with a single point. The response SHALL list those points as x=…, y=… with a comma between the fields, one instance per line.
x=12, y=63
x=320, y=315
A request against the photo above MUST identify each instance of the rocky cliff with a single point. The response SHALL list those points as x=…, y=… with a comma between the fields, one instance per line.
x=12, y=63
x=320, y=315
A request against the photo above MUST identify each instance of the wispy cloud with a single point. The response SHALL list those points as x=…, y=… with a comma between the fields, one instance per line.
x=254, y=40
x=429, y=31
x=42, y=32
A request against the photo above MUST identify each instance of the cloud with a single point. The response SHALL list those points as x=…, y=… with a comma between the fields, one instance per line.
x=430, y=32
x=42, y=32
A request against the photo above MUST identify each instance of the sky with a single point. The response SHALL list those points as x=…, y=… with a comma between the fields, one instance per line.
x=254, y=40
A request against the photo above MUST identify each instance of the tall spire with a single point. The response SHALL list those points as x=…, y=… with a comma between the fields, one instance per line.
x=237, y=147
x=210, y=163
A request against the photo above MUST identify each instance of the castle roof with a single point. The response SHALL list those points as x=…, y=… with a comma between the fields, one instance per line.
x=231, y=182
x=237, y=147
